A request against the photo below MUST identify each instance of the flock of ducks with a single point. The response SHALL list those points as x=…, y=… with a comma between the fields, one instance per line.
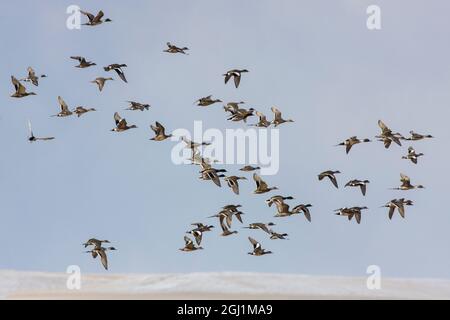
x=237, y=113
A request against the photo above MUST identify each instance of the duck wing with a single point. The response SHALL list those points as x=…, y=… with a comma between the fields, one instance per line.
x=63, y=105
x=121, y=74
x=90, y=16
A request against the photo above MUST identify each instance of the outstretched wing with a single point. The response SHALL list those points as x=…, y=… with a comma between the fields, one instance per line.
x=277, y=113
x=63, y=105
x=90, y=16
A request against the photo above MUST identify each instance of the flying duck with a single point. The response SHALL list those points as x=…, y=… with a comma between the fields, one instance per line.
x=406, y=184
x=197, y=234
x=65, y=112
x=207, y=101
x=21, y=91
x=79, y=111
x=201, y=227
x=232, y=182
x=398, y=204
x=257, y=249
x=32, y=138
x=83, y=63
x=232, y=107
x=249, y=168
x=121, y=124
x=241, y=115
x=417, y=136
x=277, y=199
x=278, y=118
x=351, y=212
x=330, y=175
x=160, y=132
x=387, y=136
x=174, y=49
x=350, y=142
x=261, y=185
x=100, y=82
x=95, y=20
x=412, y=155
x=263, y=122
x=213, y=175
x=358, y=183
x=118, y=69
x=95, y=242
x=32, y=77
x=236, y=75
x=189, y=245
x=100, y=251
x=277, y=236
x=134, y=106
x=261, y=226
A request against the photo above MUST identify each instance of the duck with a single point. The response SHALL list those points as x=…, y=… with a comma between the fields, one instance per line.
x=249, y=168
x=197, y=234
x=277, y=236
x=277, y=199
x=330, y=174
x=232, y=207
x=212, y=174
x=412, y=155
x=32, y=138
x=79, y=111
x=232, y=182
x=417, y=136
x=350, y=142
x=362, y=184
x=303, y=208
x=232, y=107
x=263, y=122
x=21, y=91
x=174, y=49
x=278, y=120
x=189, y=245
x=226, y=216
x=95, y=20
x=118, y=69
x=261, y=185
x=201, y=227
x=65, y=112
x=207, y=101
x=351, y=212
x=100, y=82
x=32, y=77
x=100, y=251
x=95, y=242
x=398, y=204
x=261, y=226
x=121, y=124
x=283, y=210
x=241, y=115
x=134, y=106
x=257, y=249
x=160, y=132
x=406, y=184
x=194, y=145
x=83, y=63
x=236, y=75
x=226, y=232
x=387, y=136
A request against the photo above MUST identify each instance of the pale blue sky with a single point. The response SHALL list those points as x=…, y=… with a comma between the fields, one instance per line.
x=315, y=60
